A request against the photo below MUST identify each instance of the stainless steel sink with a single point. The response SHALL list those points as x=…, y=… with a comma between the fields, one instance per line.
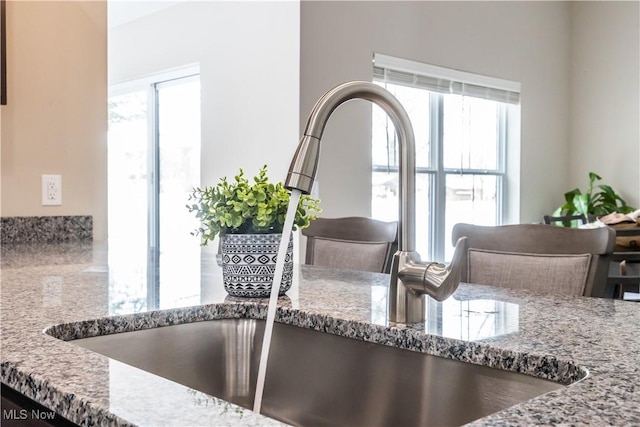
x=319, y=379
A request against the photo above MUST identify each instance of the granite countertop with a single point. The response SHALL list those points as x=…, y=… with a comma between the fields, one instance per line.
x=59, y=287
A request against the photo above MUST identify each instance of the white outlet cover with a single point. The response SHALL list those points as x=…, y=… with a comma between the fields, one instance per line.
x=51, y=190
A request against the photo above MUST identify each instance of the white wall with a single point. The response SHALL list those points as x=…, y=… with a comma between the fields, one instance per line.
x=249, y=63
x=605, y=96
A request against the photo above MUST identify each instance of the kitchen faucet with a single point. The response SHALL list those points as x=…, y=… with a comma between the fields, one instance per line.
x=411, y=278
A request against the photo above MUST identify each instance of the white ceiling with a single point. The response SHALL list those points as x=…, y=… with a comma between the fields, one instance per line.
x=122, y=11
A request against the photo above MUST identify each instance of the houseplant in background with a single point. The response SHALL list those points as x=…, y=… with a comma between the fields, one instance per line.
x=598, y=201
x=248, y=218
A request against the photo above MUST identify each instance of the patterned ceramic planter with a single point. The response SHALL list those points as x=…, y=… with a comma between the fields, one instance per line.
x=249, y=261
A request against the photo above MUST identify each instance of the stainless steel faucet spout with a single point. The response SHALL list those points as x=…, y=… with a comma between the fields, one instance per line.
x=410, y=278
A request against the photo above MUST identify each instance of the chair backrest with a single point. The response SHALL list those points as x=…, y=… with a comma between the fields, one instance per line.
x=354, y=243
x=564, y=220
x=539, y=257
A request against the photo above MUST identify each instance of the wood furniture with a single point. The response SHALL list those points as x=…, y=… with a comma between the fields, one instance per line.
x=539, y=257
x=354, y=243
x=624, y=273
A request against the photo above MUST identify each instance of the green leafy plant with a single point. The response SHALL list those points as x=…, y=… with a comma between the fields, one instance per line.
x=601, y=200
x=240, y=207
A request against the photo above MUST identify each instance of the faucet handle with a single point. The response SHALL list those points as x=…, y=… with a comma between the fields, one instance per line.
x=411, y=279
x=441, y=281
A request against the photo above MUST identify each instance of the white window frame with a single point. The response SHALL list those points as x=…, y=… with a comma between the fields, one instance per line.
x=439, y=81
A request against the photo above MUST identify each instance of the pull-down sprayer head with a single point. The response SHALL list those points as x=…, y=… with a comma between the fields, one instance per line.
x=304, y=166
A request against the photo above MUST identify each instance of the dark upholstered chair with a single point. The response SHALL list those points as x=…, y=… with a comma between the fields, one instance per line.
x=564, y=220
x=354, y=243
x=539, y=257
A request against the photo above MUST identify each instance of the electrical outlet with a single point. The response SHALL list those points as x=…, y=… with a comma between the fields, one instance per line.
x=51, y=190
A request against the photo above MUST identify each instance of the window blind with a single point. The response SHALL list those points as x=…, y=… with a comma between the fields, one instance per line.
x=444, y=80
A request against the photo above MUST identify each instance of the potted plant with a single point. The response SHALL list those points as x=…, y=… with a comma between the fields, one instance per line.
x=598, y=201
x=248, y=218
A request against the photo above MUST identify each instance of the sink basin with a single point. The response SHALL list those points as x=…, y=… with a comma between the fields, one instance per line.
x=319, y=379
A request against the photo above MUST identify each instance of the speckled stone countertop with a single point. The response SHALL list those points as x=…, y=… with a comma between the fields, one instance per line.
x=77, y=290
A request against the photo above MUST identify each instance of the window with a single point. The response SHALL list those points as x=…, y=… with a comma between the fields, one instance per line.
x=461, y=125
x=153, y=163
